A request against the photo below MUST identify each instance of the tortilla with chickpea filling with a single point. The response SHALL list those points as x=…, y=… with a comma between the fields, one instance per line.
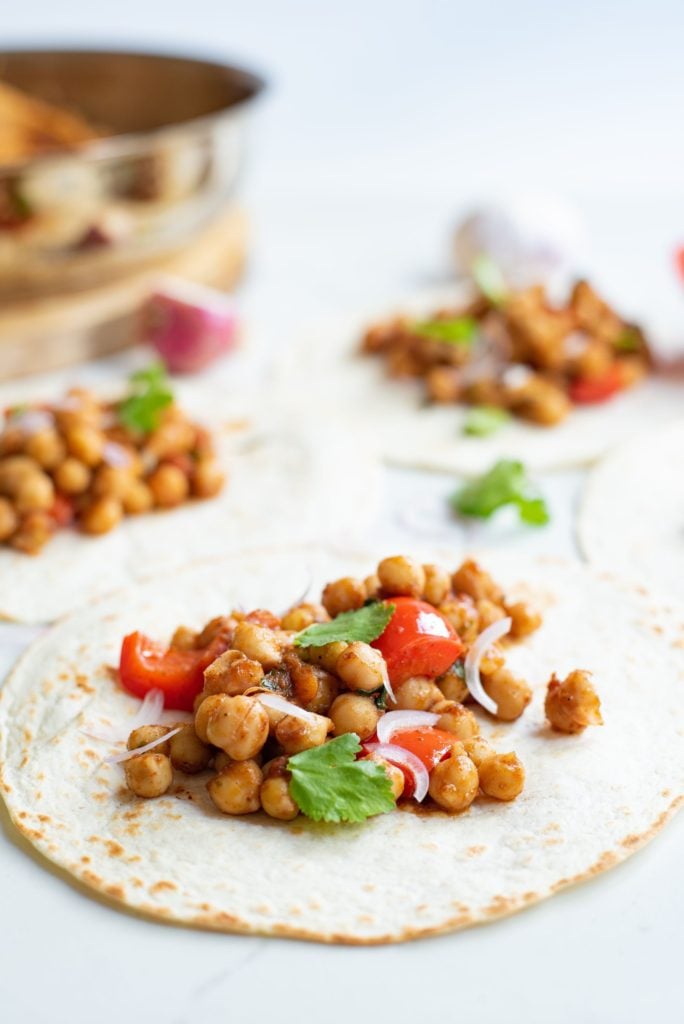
x=208, y=819
x=96, y=492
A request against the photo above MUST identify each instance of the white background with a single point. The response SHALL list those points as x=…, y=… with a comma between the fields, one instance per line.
x=383, y=120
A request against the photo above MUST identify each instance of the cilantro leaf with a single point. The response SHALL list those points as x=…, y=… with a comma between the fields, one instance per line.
x=459, y=331
x=329, y=784
x=483, y=420
x=505, y=484
x=489, y=279
x=150, y=394
x=364, y=624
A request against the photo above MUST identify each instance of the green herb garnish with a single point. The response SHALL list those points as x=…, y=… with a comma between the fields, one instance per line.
x=505, y=484
x=150, y=395
x=489, y=279
x=329, y=784
x=364, y=624
x=460, y=331
x=629, y=340
x=483, y=420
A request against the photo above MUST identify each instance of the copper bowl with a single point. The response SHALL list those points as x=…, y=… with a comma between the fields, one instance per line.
x=169, y=159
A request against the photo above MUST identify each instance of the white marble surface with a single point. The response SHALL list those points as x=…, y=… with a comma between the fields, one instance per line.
x=383, y=120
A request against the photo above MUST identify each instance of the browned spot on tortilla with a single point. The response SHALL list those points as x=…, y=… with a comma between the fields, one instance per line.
x=27, y=735
x=90, y=753
x=114, y=849
x=38, y=795
x=85, y=860
x=263, y=908
x=553, y=826
x=40, y=776
x=134, y=812
x=83, y=683
x=295, y=911
x=111, y=671
x=529, y=897
x=23, y=814
x=368, y=887
x=137, y=882
x=24, y=761
x=116, y=891
x=44, y=818
x=101, y=797
x=134, y=858
x=48, y=687
x=133, y=829
x=500, y=905
x=314, y=905
x=665, y=792
x=365, y=919
x=475, y=851
x=162, y=886
x=554, y=841
x=93, y=879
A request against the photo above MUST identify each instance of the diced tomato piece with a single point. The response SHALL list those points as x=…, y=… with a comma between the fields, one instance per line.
x=587, y=390
x=146, y=665
x=62, y=510
x=418, y=641
x=679, y=261
x=430, y=745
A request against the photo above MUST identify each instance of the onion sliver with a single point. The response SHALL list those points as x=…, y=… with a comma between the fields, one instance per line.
x=118, y=758
x=397, y=755
x=393, y=721
x=149, y=712
x=272, y=700
x=487, y=637
x=386, y=681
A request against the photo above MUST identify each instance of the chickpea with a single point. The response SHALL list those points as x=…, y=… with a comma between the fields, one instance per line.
x=304, y=615
x=492, y=660
x=221, y=760
x=454, y=783
x=102, y=516
x=46, y=447
x=488, y=612
x=174, y=436
x=361, y=667
x=274, y=794
x=207, y=478
x=111, y=482
x=478, y=750
x=510, y=695
x=371, y=585
x=471, y=579
x=437, y=584
x=221, y=625
x=137, y=498
x=297, y=734
x=572, y=704
x=400, y=575
x=149, y=774
x=35, y=493
x=395, y=774
x=457, y=719
x=350, y=712
x=72, y=476
x=258, y=643
x=453, y=686
x=416, y=694
x=328, y=688
x=169, y=485
x=232, y=673
x=524, y=620
x=462, y=614
x=235, y=790
x=188, y=753
x=146, y=734
x=502, y=776
x=183, y=639
x=13, y=471
x=238, y=725
x=86, y=443
x=539, y=400
x=326, y=656
x=8, y=519
x=343, y=595
x=206, y=706
x=34, y=531
x=304, y=677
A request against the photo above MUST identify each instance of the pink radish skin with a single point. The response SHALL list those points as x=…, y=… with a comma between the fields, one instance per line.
x=190, y=326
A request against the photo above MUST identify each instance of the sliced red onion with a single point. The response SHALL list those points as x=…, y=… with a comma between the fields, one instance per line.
x=386, y=681
x=394, y=721
x=116, y=455
x=272, y=700
x=474, y=656
x=516, y=376
x=397, y=755
x=32, y=421
x=118, y=758
x=189, y=324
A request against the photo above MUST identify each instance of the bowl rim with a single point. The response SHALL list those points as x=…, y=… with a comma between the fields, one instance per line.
x=133, y=142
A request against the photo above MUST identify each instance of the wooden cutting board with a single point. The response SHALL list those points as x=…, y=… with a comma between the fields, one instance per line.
x=43, y=334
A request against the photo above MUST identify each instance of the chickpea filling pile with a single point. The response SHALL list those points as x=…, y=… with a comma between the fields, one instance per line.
x=342, y=709
x=87, y=463
x=517, y=352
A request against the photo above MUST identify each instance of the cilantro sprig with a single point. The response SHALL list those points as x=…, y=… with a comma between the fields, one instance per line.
x=329, y=784
x=365, y=624
x=458, y=331
x=484, y=420
x=505, y=484
x=150, y=394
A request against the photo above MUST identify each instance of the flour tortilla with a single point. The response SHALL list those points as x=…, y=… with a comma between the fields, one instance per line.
x=324, y=361
x=632, y=514
x=276, y=491
x=589, y=801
